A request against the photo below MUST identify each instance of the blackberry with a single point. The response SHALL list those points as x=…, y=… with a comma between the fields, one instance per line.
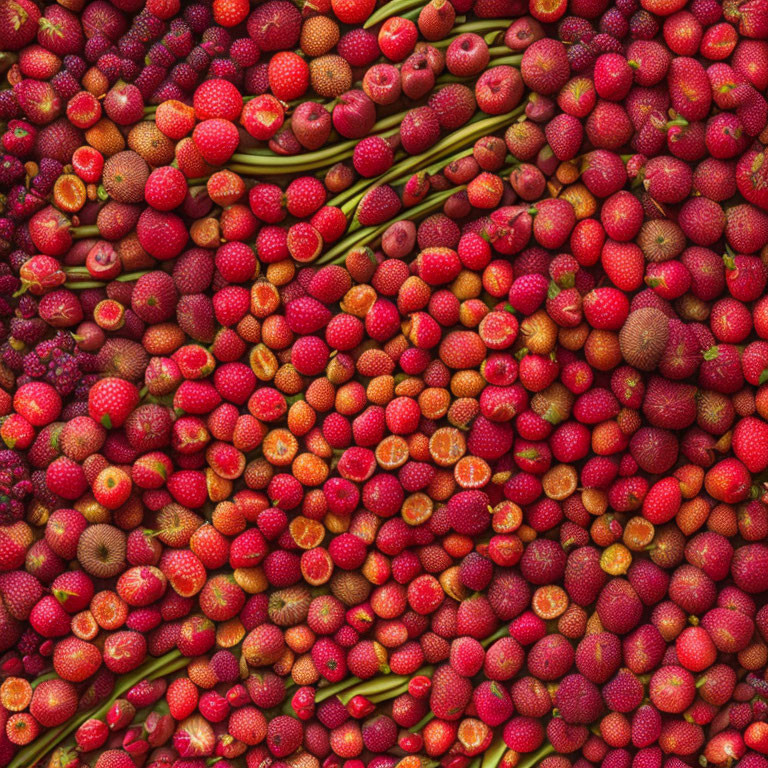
x=179, y=39
x=199, y=59
x=96, y=47
x=226, y=69
x=27, y=304
x=21, y=239
x=34, y=664
x=75, y=65
x=65, y=84
x=643, y=26
x=199, y=17
x=167, y=90
x=580, y=57
x=49, y=171
x=132, y=48
x=9, y=284
x=256, y=80
x=34, y=365
x=64, y=341
x=147, y=26
x=11, y=170
x=9, y=106
x=129, y=70
x=29, y=642
x=604, y=43
x=184, y=76
x=22, y=203
x=614, y=23
x=63, y=372
x=41, y=492
x=74, y=408
x=109, y=66
x=218, y=40
x=28, y=330
x=160, y=56
x=7, y=234
x=707, y=12
x=149, y=79
x=244, y=52
x=573, y=28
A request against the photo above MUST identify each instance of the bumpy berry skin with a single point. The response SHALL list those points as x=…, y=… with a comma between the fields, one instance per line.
x=310, y=375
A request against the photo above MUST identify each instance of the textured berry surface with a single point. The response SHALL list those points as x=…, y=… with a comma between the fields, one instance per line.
x=384, y=385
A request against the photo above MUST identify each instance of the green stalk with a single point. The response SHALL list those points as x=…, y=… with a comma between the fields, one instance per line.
x=372, y=687
x=81, y=233
x=150, y=670
x=43, y=678
x=332, y=690
x=476, y=27
x=330, y=152
x=536, y=757
x=84, y=286
x=492, y=756
x=476, y=128
x=411, y=15
x=392, y=693
x=369, y=234
x=424, y=720
x=497, y=635
x=394, y=8
x=512, y=61
x=81, y=285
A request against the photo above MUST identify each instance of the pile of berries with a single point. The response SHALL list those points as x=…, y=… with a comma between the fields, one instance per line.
x=384, y=384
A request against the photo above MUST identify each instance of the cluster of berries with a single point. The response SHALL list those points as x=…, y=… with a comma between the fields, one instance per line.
x=384, y=385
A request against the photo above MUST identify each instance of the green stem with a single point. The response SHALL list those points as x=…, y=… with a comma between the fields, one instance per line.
x=81, y=233
x=476, y=128
x=394, y=8
x=334, y=152
x=492, y=756
x=536, y=757
x=497, y=635
x=76, y=285
x=372, y=687
x=43, y=678
x=392, y=693
x=130, y=277
x=369, y=234
x=476, y=27
x=511, y=61
x=332, y=690
x=420, y=725
x=150, y=670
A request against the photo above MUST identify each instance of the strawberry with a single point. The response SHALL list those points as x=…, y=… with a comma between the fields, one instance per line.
x=60, y=31
x=38, y=100
x=288, y=75
x=689, y=88
x=378, y=205
x=165, y=188
x=216, y=139
x=111, y=401
x=230, y=13
x=748, y=443
x=20, y=20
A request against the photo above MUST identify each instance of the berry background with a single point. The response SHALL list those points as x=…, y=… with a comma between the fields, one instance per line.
x=383, y=384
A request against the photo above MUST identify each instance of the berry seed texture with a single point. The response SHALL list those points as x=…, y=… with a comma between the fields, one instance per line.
x=383, y=384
